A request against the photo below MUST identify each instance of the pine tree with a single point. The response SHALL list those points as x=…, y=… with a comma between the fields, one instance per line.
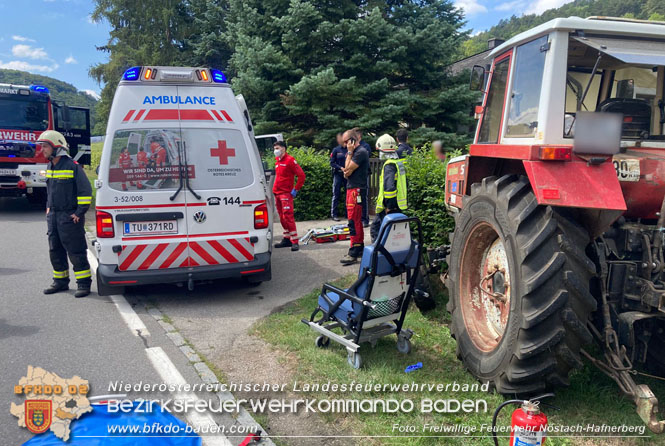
x=153, y=34
x=313, y=68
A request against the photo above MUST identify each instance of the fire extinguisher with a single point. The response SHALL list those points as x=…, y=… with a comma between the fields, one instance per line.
x=528, y=423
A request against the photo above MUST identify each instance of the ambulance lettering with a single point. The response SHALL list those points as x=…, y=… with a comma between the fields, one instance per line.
x=200, y=100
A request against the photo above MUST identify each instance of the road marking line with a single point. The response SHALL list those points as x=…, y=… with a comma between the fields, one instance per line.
x=171, y=376
x=133, y=321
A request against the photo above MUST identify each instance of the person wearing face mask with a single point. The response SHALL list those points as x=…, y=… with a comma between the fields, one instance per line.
x=69, y=195
x=286, y=170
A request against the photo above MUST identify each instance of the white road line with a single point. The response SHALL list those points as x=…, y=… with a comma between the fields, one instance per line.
x=170, y=375
x=133, y=321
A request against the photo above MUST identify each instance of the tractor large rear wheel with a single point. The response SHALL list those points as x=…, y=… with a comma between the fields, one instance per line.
x=519, y=288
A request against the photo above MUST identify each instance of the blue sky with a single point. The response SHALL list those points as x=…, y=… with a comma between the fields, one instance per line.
x=57, y=38
x=483, y=14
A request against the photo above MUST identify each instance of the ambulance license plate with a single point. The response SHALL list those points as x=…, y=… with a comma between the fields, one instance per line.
x=11, y=172
x=150, y=227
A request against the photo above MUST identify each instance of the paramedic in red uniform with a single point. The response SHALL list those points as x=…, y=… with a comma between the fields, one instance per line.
x=125, y=162
x=355, y=171
x=142, y=160
x=286, y=169
x=158, y=154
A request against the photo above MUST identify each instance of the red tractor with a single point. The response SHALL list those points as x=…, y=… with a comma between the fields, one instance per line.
x=560, y=210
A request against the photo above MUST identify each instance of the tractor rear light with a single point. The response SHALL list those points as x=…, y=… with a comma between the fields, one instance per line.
x=104, y=225
x=261, y=216
x=555, y=153
x=551, y=194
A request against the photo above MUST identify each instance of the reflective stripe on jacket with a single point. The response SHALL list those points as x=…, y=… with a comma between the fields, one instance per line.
x=392, y=186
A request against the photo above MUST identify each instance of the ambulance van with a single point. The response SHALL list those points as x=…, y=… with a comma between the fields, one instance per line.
x=182, y=194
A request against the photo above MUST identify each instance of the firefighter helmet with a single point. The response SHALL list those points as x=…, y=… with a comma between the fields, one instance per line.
x=56, y=140
x=386, y=143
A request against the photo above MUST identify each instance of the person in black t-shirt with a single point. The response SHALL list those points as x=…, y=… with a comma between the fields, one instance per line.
x=355, y=171
x=403, y=147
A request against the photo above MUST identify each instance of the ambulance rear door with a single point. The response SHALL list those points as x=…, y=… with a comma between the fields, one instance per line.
x=224, y=190
x=144, y=194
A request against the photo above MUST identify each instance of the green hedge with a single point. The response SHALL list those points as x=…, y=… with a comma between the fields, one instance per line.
x=426, y=181
x=426, y=176
x=313, y=200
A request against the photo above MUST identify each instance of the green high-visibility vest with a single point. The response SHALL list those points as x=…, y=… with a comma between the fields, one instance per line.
x=400, y=181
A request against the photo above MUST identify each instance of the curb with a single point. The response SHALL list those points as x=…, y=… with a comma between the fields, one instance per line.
x=207, y=376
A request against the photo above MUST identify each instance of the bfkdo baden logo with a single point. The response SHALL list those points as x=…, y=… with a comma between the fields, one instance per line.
x=38, y=415
x=51, y=402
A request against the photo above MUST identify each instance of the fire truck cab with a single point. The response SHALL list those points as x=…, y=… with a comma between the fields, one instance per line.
x=25, y=112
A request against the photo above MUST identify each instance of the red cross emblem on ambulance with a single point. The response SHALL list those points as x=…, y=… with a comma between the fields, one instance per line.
x=222, y=152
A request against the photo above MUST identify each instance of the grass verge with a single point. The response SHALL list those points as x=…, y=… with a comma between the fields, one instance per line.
x=592, y=398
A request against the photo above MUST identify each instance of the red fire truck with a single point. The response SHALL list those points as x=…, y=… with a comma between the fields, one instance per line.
x=25, y=112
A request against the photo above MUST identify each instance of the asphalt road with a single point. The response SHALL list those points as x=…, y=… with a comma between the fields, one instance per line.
x=67, y=336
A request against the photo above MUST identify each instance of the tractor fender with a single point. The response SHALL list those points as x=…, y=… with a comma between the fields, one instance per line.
x=575, y=184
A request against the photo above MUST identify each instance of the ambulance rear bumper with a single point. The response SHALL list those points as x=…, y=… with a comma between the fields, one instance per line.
x=257, y=270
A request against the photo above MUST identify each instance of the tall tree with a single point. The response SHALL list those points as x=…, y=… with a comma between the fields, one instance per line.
x=312, y=68
x=156, y=33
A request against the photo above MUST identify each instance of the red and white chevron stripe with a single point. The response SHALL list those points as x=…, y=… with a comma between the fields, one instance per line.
x=176, y=255
x=161, y=114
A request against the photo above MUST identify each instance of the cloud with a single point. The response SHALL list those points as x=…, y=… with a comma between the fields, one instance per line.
x=27, y=66
x=540, y=6
x=470, y=7
x=28, y=52
x=71, y=59
x=515, y=6
x=92, y=94
x=22, y=39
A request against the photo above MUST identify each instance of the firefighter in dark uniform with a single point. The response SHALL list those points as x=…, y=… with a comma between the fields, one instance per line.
x=68, y=198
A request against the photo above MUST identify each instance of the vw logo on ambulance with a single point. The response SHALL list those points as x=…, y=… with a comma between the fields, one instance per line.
x=200, y=217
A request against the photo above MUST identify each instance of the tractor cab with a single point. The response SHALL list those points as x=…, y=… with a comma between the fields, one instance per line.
x=560, y=210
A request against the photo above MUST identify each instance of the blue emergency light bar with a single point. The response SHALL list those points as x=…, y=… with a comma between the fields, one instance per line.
x=39, y=88
x=132, y=74
x=218, y=76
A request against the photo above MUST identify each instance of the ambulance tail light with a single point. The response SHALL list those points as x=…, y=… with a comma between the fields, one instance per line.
x=261, y=216
x=105, y=225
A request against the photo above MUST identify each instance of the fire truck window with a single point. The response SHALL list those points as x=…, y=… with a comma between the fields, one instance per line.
x=525, y=95
x=143, y=160
x=23, y=113
x=490, y=126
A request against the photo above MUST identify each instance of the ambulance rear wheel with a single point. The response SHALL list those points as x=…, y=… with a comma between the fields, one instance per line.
x=519, y=288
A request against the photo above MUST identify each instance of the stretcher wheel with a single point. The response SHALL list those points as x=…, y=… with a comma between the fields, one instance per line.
x=403, y=345
x=322, y=342
x=355, y=360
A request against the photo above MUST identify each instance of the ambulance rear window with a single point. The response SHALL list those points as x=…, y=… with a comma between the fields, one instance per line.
x=145, y=159
x=152, y=159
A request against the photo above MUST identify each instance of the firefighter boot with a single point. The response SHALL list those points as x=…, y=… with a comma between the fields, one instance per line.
x=285, y=243
x=57, y=287
x=295, y=246
x=83, y=289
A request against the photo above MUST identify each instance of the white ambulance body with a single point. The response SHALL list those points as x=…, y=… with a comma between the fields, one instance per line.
x=182, y=193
